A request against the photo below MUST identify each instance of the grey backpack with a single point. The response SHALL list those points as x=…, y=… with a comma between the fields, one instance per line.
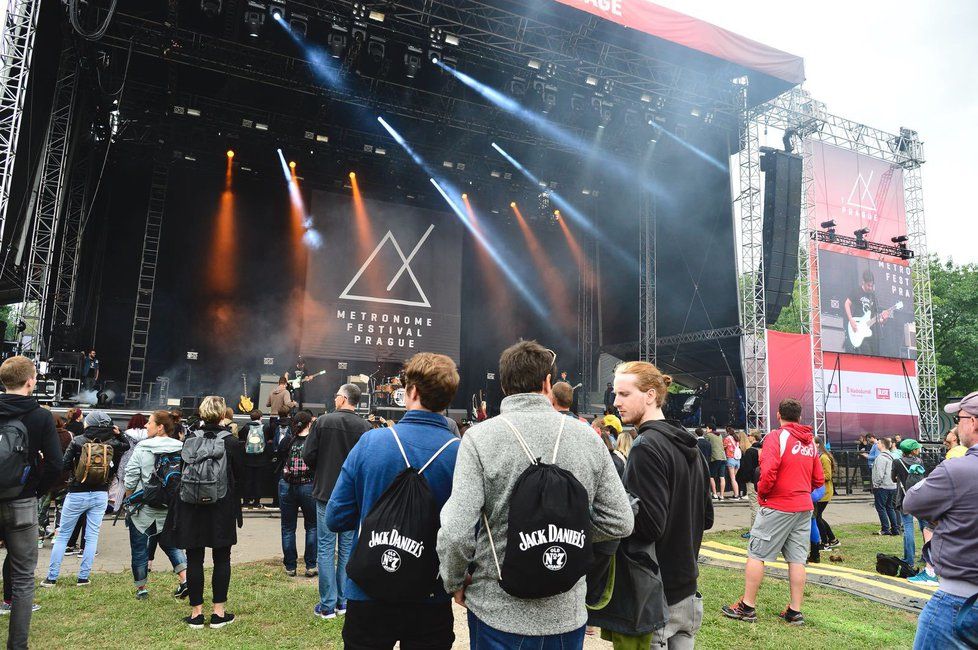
x=204, y=478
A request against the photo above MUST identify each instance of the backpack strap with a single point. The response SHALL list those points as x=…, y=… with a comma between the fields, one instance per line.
x=440, y=449
x=492, y=546
x=401, y=447
x=526, y=448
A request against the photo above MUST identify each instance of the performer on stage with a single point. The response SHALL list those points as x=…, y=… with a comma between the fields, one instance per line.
x=860, y=303
x=90, y=370
x=299, y=372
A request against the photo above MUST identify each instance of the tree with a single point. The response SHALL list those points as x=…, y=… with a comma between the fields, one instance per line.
x=955, y=299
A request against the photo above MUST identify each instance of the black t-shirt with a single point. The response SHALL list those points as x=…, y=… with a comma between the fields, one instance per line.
x=862, y=302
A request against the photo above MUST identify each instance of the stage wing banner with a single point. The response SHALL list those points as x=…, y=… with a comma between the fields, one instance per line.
x=676, y=27
x=384, y=285
x=842, y=279
x=857, y=191
x=863, y=394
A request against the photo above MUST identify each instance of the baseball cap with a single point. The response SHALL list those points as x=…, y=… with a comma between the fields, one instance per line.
x=969, y=404
x=613, y=421
x=909, y=445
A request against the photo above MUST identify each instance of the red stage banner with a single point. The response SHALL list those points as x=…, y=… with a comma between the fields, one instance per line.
x=857, y=191
x=673, y=26
x=863, y=394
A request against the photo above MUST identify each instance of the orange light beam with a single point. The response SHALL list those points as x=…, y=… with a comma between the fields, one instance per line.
x=551, y=277
x=221, y=276
x=490, y=271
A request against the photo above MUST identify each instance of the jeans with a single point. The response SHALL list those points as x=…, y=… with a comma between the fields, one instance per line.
x=685, y=619
x=824, y=530
x=18, y=527
x=884, y=500
x=483, y=637
x=934, y=627
x=139, y=545
x=290, y=499
x=92, y=505
x=334, y=552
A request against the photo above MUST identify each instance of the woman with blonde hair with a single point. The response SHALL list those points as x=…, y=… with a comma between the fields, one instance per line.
x=198, y=526
x=623, y=447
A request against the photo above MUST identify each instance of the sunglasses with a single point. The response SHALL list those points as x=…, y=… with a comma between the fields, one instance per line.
x=958, y=418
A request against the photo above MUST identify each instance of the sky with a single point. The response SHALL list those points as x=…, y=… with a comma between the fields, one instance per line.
x=887, y=65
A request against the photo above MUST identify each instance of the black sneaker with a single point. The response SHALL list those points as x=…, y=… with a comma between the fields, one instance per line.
x=71, y=550
x=83, y=582
x=792, y=618
x=49, y=583
x=740, y=611
x=182, y=591
x=290, y=573
x=221, y=621
x=194, y=622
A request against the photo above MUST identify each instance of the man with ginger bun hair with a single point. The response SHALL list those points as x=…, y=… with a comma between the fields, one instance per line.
x=668, y=474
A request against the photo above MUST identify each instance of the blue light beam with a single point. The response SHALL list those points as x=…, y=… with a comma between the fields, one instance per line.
x=321, y=63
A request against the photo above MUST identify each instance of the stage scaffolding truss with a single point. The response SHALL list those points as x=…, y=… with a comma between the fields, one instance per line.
x=797, y=111
x=646, y=280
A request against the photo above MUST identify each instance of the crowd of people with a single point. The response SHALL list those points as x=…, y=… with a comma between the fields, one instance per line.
x=541, y=529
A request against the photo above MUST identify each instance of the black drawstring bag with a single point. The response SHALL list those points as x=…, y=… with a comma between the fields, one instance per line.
x=548, y=544
x=395, y=559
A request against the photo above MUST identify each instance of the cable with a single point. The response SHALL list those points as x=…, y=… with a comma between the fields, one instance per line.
x=76, y=21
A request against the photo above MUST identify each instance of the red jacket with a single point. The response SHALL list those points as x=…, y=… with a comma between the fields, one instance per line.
x=790, y=469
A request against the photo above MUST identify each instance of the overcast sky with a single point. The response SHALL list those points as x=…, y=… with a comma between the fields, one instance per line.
x=887, y=64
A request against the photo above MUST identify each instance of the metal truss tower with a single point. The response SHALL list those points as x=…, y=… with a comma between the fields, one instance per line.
x=73, y=232
x=646, y=278
x=797, y=110
x=56, y=162
x=585, y=324
x=16, y=48
x=751, y=276
x=142, y=315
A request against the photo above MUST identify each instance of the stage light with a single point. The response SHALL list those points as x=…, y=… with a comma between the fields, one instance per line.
x=277, y=13
x=465, y=196
x=376, y=16
x=647, y=98
x=322, y=138
x=261, y=127
x=512, y=204
x=433, y=57
x=861, y=237
x=900, y=240
x=337, y=41
x=211, y=8
x=291, y=164
x=230, y=153
x=412, y=62
x=533, y=64
x=353, y=175
x=193, y=112
x=451, y=39
x=591, y=80
x=299, y=24
x=254, y=18
x=828, y=224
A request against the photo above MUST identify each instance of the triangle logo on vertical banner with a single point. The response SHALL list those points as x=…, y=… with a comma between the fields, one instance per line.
x=860, y=196
x=405, y=267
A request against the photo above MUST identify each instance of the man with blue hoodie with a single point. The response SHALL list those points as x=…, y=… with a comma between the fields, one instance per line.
x=947, y=498
x=430, y=384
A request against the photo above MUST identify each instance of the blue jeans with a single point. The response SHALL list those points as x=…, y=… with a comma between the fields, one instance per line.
x=936, y=621
x=290, y=499
x=884, y=501
x=92, y=505
x=909, y=543
x=483, y=637
x=139, y=545
x=334, y=552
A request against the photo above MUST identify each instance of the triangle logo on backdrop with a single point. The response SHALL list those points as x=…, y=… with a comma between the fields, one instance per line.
x=380, y=254
x=860, y=197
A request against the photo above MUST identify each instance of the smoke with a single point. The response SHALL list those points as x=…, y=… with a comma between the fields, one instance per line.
x=86, y=397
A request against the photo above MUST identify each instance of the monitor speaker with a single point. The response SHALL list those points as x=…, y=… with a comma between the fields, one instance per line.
x=782, y=221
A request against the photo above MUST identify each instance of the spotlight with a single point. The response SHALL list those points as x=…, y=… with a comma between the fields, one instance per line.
x=254, y=18
x=434, y=56
x=533, y=64
x=299, y=24
x=512, y=204
x=828, y=224
x=861, y=237
x=786, y=140
x=277, y=13
x=902, y=239
x=353, y=175
x=591, y=80
x=211, y=8
x=376, y=49
x=230, y=153
x=451, y=39
x=464, y=195
x=337, y=41
x=291, y=164
x=412, y=62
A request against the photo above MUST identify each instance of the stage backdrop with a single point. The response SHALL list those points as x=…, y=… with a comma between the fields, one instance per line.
x=384, y=285
x=864, y=394
x=858, y=191
x=841, y=279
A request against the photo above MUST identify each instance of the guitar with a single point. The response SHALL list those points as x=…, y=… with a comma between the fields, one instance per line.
x=864, y=324
x=294, y=384
x=245, y=405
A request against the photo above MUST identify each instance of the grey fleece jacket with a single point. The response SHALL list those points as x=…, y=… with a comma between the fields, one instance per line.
x=883, y=472
x=490, y=460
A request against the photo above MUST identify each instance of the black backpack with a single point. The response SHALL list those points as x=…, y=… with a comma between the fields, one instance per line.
x=548, y=544
x=164, y=482
x=15, y=462
x=891, y=565
x=395, y=558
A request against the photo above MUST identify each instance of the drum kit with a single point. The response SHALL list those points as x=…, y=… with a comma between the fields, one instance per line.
x=389, y=392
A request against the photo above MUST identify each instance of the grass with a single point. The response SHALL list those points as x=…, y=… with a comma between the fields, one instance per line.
x=859, y=545
x=274, y=611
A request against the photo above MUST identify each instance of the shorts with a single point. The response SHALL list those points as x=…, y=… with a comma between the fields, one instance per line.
x=733, y=462
x=716, y=468
x=787, y=533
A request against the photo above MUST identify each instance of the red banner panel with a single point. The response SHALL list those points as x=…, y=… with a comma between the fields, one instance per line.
x=856, y=192
x=863, y=394
x=699, y=35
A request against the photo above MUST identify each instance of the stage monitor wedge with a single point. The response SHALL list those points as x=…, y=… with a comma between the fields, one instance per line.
x=782, y=221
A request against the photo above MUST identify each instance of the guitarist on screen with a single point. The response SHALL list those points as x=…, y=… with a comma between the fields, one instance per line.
x=860, y=303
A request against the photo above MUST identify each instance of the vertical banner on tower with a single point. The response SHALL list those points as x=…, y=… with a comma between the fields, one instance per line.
x=384, y=285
